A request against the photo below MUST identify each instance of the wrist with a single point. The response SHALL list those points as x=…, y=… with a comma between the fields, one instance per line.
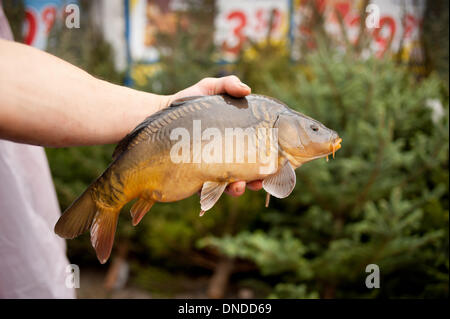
x=165, y=101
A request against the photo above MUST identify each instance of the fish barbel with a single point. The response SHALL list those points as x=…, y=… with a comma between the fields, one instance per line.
x=195, y=144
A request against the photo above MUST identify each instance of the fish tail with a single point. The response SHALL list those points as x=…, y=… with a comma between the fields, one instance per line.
x=85, y=214
x=78, y=217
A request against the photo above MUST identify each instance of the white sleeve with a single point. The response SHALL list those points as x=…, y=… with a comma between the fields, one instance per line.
x=32, y=257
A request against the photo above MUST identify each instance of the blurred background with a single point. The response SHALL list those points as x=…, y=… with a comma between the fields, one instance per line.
x=375, y=71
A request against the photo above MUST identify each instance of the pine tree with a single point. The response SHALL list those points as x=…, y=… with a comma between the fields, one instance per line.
x=383, y=200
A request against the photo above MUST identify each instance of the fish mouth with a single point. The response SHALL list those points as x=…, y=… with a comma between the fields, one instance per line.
x=334, y=146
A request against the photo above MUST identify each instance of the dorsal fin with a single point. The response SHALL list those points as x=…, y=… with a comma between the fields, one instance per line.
x=125, y=142
x=183, y=100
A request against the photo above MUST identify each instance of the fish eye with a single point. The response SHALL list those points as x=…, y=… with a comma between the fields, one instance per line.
x=315, y=128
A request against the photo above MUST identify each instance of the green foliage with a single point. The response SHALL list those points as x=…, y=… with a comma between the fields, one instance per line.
x=272, y=253
x=435, y=28
x=292, y=291
x=383, y=200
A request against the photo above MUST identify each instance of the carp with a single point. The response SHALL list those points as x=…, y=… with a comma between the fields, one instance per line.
x=197, y=143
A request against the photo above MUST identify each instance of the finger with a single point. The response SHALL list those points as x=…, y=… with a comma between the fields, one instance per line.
x=233, y=86
x=236, y=189
x=228, y=84
x=255, y=185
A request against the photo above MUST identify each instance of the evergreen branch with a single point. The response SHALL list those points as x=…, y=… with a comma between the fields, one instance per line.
x=344, y=35
x=362, y=26
x=361, y=199
x=336, y=93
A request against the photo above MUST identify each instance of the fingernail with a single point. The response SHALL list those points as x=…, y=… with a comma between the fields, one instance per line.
x=245, y=86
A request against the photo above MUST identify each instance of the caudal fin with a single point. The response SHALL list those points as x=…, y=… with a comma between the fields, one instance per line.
x=83, y=215
x=78, y=217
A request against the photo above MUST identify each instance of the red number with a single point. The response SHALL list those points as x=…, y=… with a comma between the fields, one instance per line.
x=261, y=24
x=378, y=37
x=276, y=23
x=342, y=8
x=263, y=19
x=410, y=23
x=30, y=32
x=237, y=32
x=48, y=16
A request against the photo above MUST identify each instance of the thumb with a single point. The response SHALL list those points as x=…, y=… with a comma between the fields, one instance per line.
x=228, y=84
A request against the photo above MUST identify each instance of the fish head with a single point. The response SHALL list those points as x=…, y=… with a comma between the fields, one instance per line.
x=304, y=139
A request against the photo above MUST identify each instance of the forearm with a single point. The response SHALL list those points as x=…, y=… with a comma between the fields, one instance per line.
x=47, y=101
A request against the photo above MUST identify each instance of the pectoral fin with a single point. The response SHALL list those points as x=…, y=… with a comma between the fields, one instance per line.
x=211, y=192
x=281, y=183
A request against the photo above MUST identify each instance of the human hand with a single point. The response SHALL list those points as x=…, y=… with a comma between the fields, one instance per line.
x=232, y=86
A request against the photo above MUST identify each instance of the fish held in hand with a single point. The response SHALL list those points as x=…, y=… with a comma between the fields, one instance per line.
x=198, y=143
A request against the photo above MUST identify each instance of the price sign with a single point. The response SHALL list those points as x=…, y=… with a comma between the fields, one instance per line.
x=40, y=16
x=398, y=23
x=238, y=21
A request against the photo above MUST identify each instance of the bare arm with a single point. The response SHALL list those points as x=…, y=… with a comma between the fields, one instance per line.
x=47, y=101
